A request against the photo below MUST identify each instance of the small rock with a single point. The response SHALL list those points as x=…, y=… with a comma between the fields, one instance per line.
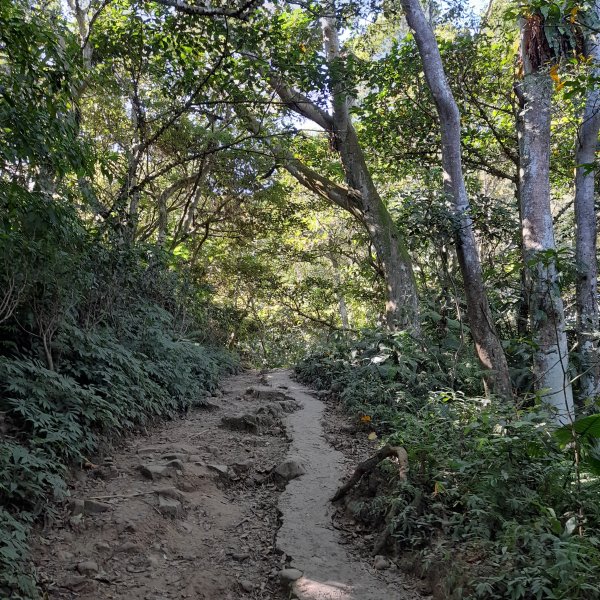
x=176, y=456
x=102, y=546
x=187, y=486
x=268, y=395
x=149, y=450
x=106, y=473
x=288, y=470
x=241, y=557
x=169, y=507
x=77, y=507
x=287, y=576
x=242, y=466
x=129, y=548
x=247, y=586
x=222, y=470
x=75, y=521
x=176, y=464
x=153, y=561
x=381, y=562
x=170, y=492
x=76, y=583
x=88, y=568
x=65, y=555
x=128, y=527
x=155, y=471
x=272, y=410
x=93, y=507
x=245, y=422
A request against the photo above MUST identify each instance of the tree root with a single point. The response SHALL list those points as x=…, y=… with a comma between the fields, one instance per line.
x=368, y=465
x=385, y=535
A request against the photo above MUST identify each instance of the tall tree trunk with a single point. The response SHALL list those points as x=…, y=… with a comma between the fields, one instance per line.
x=585, y=221
x=402, y=308
x=487, y=344
x=551, y=361
x=342, y=307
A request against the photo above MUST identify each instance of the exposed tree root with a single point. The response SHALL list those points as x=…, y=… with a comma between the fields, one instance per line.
x=368, y=465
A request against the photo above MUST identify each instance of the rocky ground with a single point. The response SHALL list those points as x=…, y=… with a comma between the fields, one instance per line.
x=194, y=509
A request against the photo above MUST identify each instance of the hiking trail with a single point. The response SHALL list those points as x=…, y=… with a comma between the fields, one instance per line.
x=230, y=502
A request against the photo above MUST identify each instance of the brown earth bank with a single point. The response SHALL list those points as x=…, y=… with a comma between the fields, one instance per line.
x=229, y=502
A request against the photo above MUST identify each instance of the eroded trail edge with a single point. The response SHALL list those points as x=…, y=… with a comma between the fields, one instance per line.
x=315, y=549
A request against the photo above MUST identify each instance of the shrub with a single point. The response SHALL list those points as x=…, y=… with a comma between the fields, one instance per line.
x=495, y=503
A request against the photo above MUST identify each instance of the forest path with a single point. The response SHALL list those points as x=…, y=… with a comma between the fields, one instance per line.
x=307, y=535
x=195, y=509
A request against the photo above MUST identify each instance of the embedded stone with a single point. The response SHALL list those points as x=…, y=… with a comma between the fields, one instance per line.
x=93, y=507
x=155, y=472
x=77, y=507
x=180, y=456
x=88, y=568
x=169, y=507
x=170, y=492
x=245, y=422
x=288, y=470
x=287, y=576
x=381, y=562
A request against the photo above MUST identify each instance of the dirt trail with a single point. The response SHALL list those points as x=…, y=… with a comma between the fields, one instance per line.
x=307, y=534
x=217, y=505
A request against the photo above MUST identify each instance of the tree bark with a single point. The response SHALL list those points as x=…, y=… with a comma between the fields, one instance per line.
x=359, y=198
x=402, y=308
x=342, y=307
x=551, y=361
x=487, y=344
x=585, y=222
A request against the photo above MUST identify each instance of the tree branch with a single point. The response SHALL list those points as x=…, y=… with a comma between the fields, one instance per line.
x=240, y=12
x=301, y=104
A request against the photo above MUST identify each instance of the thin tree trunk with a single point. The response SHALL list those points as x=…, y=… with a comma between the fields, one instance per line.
x=487, y=344
x=585, y=240
x=342, y=307
x=551, y=361
x=163, y=221
x=402, y=308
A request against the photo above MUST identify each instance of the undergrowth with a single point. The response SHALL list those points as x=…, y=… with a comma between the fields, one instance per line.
x=497, y=504
x=96, y=341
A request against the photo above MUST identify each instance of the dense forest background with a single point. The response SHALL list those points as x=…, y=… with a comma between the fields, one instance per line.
x=397, y=199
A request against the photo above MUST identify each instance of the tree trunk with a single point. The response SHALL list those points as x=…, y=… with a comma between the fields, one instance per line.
x=550, y=363
x=342, y=307
x=488, y=347
x=585, y=240
x=402, y=308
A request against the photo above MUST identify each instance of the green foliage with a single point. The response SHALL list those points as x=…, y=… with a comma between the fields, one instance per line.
x=94, y=330
x=38, y=122
x=16, y=579
x=378, y=372
x=495, y=503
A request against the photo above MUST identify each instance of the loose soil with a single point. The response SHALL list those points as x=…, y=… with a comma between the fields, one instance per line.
x=230, y=502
